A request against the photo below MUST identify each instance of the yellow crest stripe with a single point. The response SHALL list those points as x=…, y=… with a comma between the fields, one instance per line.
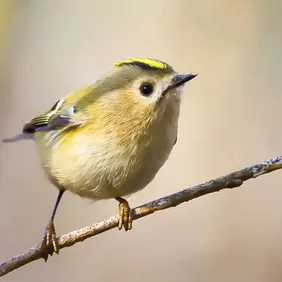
x=144, y=62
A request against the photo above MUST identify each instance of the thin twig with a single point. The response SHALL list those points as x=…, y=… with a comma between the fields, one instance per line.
x=232, y=180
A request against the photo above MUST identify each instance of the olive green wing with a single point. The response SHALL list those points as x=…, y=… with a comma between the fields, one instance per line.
x=59, y=117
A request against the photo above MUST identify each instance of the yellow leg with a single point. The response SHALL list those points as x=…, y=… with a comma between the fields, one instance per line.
x=125, y=215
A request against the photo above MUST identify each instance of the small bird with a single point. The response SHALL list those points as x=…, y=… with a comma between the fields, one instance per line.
x=108, y=140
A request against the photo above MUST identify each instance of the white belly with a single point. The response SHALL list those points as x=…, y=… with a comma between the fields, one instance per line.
x=103, y=170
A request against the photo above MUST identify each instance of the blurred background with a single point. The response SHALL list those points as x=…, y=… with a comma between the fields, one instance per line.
x=229, y=119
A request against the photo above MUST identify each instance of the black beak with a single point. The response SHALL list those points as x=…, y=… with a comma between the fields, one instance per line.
x=181, y=79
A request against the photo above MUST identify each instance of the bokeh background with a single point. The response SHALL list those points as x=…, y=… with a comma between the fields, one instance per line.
x=230, y=118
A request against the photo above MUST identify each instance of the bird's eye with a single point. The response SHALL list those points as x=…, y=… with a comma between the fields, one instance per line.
x=146, y=89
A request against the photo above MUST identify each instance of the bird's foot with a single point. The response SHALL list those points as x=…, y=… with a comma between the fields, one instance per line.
x=125, y=215
x=49, y=243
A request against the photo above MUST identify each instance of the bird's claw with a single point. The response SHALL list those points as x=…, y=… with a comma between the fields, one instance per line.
x=49, y=244
x=125, y=216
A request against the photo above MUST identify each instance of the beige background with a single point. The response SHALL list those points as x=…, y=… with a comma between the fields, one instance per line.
x=230, y=118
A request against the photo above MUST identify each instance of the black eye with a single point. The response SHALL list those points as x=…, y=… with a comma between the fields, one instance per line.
x=146, y=89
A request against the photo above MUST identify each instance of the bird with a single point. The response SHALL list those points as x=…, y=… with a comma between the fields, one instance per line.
x=108, y=140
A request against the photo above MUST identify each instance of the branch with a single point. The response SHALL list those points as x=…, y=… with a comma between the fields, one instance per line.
x=232, y=180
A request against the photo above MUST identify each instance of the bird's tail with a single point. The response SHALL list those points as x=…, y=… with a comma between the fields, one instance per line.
x=19, y=137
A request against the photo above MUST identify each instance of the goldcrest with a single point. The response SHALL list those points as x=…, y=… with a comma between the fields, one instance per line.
x=108, y=140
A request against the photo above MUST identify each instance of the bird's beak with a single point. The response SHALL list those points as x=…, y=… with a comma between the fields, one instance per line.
x=181, y=79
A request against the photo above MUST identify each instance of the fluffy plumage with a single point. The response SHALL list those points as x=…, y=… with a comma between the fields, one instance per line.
x=119, y=139
x=107, y=140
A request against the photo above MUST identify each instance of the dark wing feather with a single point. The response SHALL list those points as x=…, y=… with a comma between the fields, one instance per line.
x=41, y=121
x=58, y=117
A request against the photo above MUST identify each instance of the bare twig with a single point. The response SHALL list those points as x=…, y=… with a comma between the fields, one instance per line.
x=232, y=180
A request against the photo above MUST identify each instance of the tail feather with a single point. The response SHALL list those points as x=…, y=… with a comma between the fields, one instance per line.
x=19, y=137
